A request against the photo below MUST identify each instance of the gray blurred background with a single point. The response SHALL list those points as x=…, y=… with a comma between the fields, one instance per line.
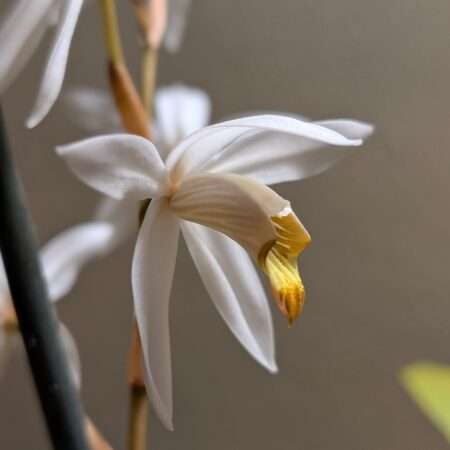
x=377, y=274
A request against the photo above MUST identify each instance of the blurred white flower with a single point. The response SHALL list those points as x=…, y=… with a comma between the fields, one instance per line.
x=22, y=30
x=178, y=11
x=212, y=187
x=179, y=111
x=61, y=259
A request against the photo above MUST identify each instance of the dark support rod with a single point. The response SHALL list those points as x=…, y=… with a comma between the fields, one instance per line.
x=36, y=316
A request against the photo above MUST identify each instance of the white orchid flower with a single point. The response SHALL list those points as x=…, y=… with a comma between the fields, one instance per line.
x=21, y=32
x=212, y=187
x=61, y=259
x=179, y=111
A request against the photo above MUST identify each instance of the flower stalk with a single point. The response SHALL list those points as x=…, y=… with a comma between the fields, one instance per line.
x=136, y=114
x=36, y=317
x=132, y=112
x=137, y=432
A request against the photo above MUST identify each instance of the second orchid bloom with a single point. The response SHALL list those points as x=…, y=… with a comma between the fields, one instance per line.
x=213, y=187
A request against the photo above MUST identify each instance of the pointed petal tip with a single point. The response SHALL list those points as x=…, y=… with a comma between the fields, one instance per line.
x=166, y=419
x=272, y=368
x=33, y=121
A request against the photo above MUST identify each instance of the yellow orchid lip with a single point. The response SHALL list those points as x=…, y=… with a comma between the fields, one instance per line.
x=278, y=259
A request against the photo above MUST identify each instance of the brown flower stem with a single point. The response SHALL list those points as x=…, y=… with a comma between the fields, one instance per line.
x=132, y=112
x=136, y=115
x=152, y=18
x=148, y=77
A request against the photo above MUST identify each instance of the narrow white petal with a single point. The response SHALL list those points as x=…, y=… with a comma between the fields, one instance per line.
x=176, y=23
x=56, y=65
x=271, y=157
x=351, y=129
x=179, y=111
x=20, y=33
x=120, y=165
x=64, y=256
x=93, y=109
x=233, y=284
x=123, y=215
x=265, y=135
x=71, y=351
x=152, y=274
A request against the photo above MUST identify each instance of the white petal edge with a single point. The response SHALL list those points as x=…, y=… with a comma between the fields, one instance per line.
x=73, y=357
x=20, y=33
x=206, y=147
x=271, y=157
x=178, y=11
x=93, y=110
x=152, y=275
x=4, y=288
x=64, y=256
x=123, y=215
x=55, y=69
x=236, y=290
x=118, y=165
x=179, y=111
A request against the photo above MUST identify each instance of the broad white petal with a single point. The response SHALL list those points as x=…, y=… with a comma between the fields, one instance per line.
x=265, y=136
x=71, y=351
x=64, y=256
x=118, y=165
x=152, y=274
x=123, y=215
x=234, y=205
x=176, y=23
x=93, y=109
x=235, y=288
x=56, y=65
x=272, y=157
x=179, y=111
x=20, y=33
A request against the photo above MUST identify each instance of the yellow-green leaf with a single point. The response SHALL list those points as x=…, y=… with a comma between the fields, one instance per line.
x=429, y=385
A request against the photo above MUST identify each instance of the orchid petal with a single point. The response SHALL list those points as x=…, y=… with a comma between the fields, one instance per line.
x=152, y=273
x=233, y=284
x=56, y=65
x=236, y=206
x=123, y=215
x=351, y=129
x=176, y=23
x=179, y=111
x=226, y=142
x=118, y=165
x=72, y=355
x=20, y=34
x=271, y=157
x=64, y=256
x=93, y=110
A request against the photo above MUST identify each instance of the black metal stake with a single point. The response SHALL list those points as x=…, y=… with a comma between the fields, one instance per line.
x=37, y=318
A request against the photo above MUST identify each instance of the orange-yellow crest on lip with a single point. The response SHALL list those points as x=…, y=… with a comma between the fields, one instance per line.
x=278, y=259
